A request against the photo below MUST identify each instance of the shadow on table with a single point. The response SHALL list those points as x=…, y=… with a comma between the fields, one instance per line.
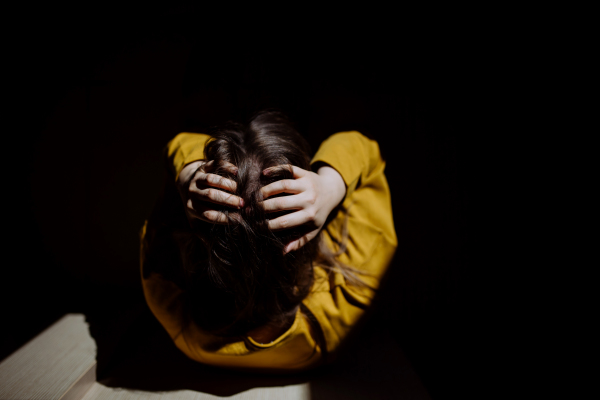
x=134, y=352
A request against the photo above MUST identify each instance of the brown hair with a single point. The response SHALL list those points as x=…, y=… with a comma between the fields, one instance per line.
x=236, y=276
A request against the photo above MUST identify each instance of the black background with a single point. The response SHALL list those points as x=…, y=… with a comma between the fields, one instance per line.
x=96, y=94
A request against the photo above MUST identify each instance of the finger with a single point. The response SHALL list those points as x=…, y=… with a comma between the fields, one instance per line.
x=298, y=243
x=299, y=172
x=214, y=216
x=206, y=165
x=284, y=203
x=291, y=220
x=217, y=196
x=282, y=186
x=229, y=167
x=206, y=213
x=296, y=171
x=215, y=181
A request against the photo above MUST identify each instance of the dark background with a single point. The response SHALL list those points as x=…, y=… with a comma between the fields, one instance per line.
x=96, y=94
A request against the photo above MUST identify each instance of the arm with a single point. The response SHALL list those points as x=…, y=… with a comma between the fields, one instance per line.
x=355, y=163
x=353, y=155
x=368, y=199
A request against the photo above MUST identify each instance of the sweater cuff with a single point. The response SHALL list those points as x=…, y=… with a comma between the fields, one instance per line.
x=344, y=153
x=184, y=149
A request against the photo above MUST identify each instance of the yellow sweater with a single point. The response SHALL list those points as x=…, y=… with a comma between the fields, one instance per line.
x=334, y=303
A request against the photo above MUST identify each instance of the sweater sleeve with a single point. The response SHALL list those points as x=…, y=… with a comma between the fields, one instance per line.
x=358, y=160
x=364, y=225
x=185, y=148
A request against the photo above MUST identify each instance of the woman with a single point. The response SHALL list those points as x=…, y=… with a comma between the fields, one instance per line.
x=256, y=256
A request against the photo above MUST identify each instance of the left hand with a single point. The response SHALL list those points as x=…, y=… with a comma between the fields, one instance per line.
x=202, y=191
x=315, y=195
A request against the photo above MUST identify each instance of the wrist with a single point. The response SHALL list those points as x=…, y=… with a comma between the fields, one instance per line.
x=336, y=186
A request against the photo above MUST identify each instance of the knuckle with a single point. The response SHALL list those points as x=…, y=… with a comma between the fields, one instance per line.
x=284, y=222
x=270, y=205
x=212, y=215
x=213, y=194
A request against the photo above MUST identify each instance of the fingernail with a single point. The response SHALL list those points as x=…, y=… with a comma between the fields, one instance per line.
x=241, y=203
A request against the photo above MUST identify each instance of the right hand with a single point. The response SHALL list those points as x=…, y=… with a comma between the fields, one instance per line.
x=314, y=196
x=199, y=189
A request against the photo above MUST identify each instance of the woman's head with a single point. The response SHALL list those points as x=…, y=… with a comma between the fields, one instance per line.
x=237, y=275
